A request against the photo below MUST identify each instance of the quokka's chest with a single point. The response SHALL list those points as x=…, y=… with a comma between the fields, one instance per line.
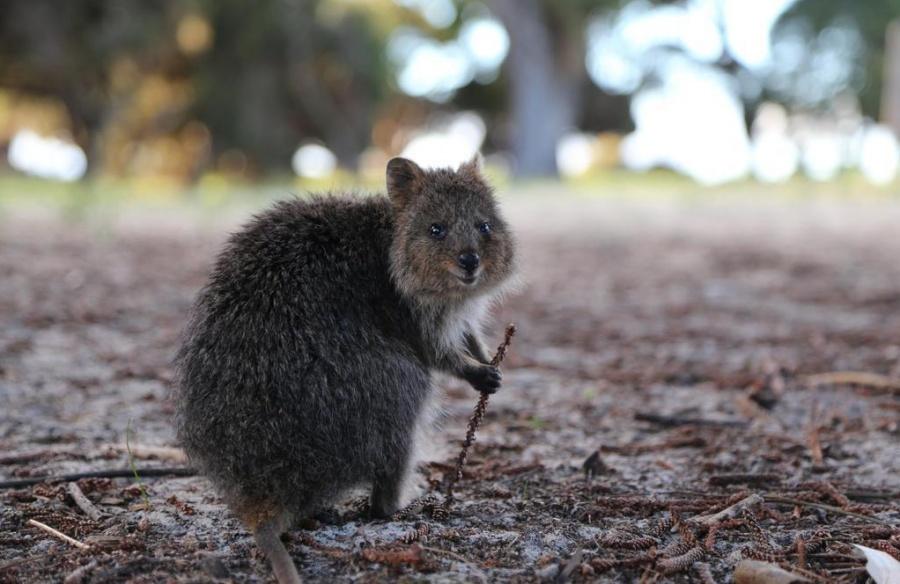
x=451, y=326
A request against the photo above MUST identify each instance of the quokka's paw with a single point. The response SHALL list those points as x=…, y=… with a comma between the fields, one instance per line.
x=486, y=378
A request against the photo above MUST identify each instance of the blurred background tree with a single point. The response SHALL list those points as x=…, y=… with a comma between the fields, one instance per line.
x=258, y=78
x=87, y=55
x=184, y=88
x=859, y=28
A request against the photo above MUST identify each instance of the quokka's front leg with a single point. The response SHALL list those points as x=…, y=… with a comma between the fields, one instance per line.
x=475, y=346
x=484, y=377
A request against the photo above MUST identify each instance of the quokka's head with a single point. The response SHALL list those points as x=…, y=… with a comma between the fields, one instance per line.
x=450, y=240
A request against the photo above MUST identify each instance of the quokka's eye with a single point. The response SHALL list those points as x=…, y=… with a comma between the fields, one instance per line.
x=437, y=231
x=485, y=228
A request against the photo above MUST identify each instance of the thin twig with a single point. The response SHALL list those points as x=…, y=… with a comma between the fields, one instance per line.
x=476, y=418
x=812, y=436
x=800, y=547
x=861, y=378
x=83, y=502
x=824, y=507
x=29, y=455
x=867, y=495
x=119, y=473
x=58, y=534
x=723, y=480
x=138, y=451
x=673, y=421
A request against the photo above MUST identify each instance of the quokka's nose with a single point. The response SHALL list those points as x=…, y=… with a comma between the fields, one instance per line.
x=469, y=261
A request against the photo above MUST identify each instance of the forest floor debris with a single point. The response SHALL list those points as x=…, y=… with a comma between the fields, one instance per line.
x=687, y=358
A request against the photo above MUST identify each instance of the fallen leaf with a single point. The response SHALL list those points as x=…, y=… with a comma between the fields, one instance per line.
x=881, y=567
x=756, y=572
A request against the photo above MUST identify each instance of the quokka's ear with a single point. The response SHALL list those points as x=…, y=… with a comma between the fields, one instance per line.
x=473, y=166
x=404, y=180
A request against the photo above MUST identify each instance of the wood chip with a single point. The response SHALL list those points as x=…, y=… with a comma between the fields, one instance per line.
x=729, y=512
x=83, y=502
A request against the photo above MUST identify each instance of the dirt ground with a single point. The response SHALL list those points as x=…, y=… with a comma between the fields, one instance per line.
x=676, y=342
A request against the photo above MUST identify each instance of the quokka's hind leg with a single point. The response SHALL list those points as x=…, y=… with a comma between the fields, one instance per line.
x=386, y=491
x=268, y=537
x=395, y=485
x=391, y=486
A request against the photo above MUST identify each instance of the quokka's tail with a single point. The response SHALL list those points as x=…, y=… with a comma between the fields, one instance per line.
x=268, y=539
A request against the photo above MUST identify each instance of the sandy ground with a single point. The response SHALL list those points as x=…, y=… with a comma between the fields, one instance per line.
x=676, y=340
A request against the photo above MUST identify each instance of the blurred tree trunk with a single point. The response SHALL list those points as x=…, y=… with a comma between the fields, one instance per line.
x=85, y=130
x=890, y=91
x=335, y=88
x=545, y=66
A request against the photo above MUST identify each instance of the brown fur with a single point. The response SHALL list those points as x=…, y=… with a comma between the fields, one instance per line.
x=306, y=367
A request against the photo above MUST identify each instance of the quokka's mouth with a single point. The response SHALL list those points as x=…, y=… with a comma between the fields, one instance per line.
x=466, y=279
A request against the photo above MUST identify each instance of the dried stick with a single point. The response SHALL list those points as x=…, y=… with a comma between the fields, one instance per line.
x=822, y=506
x=730, y=512
x=800, y=546
x=675, y=421
x=100, y=474
x=58, y=534
x=861, y=378
x=140, y=451
x=723, y=480
x=812, y=436
x=83, y=502
x=29, y=455
x=476, y=418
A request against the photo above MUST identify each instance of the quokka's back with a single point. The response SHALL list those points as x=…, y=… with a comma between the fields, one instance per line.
x=293, y=304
